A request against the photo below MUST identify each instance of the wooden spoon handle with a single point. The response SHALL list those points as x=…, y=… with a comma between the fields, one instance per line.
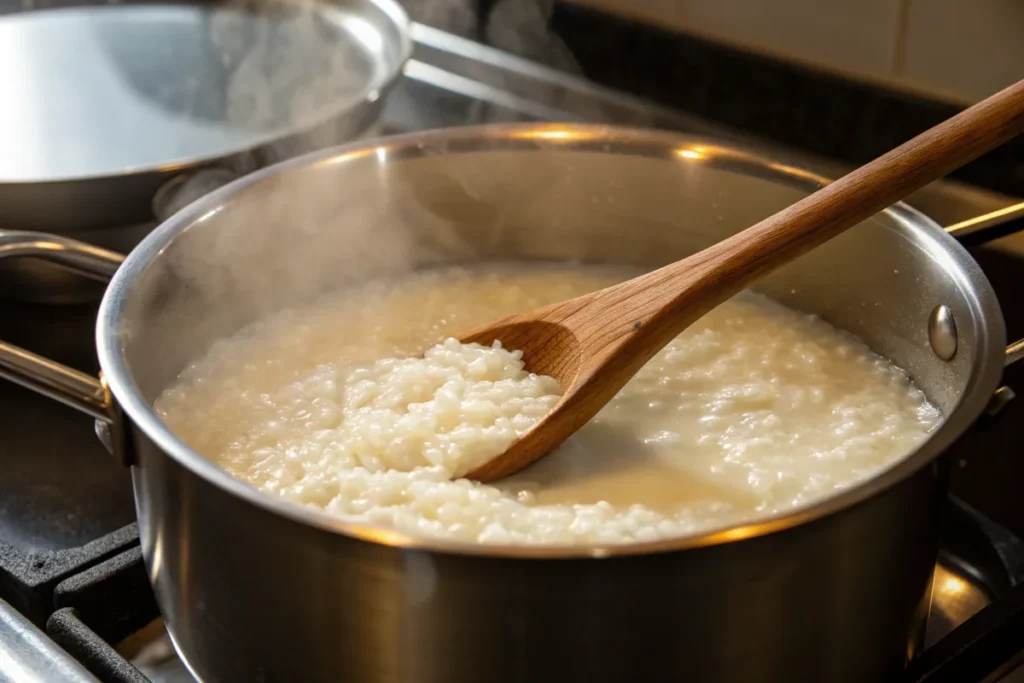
x=695, y=285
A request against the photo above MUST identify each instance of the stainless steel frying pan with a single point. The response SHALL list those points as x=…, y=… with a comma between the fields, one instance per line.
x=115, y=115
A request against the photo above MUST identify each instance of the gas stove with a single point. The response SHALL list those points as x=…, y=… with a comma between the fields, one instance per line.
x=75, y=603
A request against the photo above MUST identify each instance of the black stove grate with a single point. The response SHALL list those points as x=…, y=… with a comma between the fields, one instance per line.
x=69, y=631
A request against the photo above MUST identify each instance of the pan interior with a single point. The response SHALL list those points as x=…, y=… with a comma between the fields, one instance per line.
x=97, y=90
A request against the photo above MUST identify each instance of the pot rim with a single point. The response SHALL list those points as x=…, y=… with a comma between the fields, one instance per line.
x=925, y=234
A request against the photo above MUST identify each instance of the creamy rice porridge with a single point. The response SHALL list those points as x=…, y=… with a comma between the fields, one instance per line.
x=345, y=406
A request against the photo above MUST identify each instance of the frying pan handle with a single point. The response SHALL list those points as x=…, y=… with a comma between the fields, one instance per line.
x=83, y=392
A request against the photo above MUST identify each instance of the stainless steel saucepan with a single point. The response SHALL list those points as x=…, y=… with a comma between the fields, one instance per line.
x=257, y=589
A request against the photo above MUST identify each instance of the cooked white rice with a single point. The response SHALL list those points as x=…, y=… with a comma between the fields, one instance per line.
x=754, y=410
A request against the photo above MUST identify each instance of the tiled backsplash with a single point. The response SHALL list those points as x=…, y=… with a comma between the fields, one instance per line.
x=968, y=47
x=957, y=50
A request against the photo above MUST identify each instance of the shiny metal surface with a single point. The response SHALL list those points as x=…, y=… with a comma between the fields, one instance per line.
x=942, y=332
x=109, y=89
x=1015, y=352
x=837, y=591
x=111, y=109
x=84, y=259
x=65, y=384
x=992, y=219
x=957, y=595
x=27, y=655
x=1000, y=399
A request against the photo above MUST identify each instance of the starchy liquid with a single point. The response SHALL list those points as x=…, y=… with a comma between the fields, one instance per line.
x=346, y=407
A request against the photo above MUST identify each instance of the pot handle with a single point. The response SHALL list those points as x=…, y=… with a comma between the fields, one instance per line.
x=1015, y=352
x=79, y=390
x=985, y=228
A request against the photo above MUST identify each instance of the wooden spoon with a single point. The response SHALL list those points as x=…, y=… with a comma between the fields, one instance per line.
x=595, y=343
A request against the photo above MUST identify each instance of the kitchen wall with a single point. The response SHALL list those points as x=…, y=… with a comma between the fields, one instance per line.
x=956, y=50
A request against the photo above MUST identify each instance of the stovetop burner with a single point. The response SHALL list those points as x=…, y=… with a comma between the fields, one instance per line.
x=70, y=562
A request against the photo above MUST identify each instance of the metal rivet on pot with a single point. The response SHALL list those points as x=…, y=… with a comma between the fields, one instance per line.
x=942, y=332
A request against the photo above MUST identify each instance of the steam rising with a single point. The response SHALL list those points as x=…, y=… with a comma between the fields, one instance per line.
x=281, y=77
x=455, y=16
x=289, y=238
x=287, y=71
x=521, y=27
x=516, y=26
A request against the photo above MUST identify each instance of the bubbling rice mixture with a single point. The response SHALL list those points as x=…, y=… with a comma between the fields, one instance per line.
x=754, y=410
